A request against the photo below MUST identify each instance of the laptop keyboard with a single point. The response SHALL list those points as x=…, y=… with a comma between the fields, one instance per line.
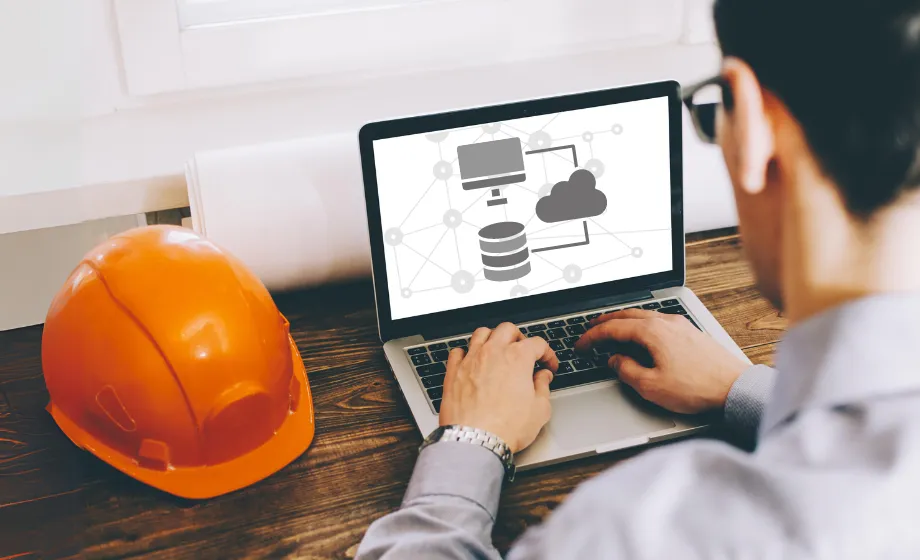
x=429, y=360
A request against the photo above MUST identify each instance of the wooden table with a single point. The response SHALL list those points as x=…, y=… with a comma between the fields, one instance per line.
x=56, y=500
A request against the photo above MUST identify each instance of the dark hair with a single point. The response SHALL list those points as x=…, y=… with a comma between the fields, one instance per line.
x=849, y=71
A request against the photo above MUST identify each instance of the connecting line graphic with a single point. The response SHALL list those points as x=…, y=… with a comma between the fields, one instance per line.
x=598, y=234
x=628, y=246
x=587, y=241
x=557, y=148
x=549, y=262
x=427, y=259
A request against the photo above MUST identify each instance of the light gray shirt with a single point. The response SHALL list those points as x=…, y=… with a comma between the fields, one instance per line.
x=835, y=473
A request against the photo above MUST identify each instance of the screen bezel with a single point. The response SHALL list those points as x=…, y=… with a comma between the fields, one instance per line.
x=488, y=313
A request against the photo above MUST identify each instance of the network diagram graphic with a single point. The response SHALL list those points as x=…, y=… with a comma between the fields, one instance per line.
x=493, y=163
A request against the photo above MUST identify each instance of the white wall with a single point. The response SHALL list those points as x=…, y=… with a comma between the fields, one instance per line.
x=41, y=260
x=74, y=146
x=57, y=59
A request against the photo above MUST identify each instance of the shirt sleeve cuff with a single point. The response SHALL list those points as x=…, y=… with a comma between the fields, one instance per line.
x=746, y=401
x=458, y=469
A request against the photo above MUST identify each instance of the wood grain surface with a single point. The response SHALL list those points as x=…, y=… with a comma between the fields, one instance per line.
x=58, y=501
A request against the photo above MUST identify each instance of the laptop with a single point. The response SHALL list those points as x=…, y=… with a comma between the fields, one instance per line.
x=546, y=213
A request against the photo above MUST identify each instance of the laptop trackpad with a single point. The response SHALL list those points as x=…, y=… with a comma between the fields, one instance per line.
x=602, y=416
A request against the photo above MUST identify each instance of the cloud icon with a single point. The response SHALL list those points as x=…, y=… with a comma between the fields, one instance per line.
x=574, y=199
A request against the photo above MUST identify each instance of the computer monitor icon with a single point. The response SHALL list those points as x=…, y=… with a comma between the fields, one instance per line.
x=492, y=165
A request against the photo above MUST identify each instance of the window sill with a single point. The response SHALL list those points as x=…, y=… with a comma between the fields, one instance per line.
x=132, y=161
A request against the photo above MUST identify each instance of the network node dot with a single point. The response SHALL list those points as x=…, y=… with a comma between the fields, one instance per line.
x=462, y=281
x=518, y=291
x=617, y=129
x=491, y=128
x=393, y=236
x=439, y=136
x=406, y=293
x=540, y=140
x=572, y=273
x=596, y=167
x=637, y=252
x=587, y=136
x=453, y=219
x=443, y=170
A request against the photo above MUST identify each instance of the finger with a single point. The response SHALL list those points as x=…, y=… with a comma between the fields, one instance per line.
x=479, y=337
x=506, y=333
x=621, y=330
x=454, y=359
x=624, y=314
x=453, y=366
x=628, y=370
x=541, y=381
x=538, y=350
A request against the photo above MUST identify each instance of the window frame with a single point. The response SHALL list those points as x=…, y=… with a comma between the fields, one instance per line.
x=159, y=56
x=198, y=13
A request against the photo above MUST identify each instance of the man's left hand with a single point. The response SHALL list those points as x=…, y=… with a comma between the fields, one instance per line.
x=494, y=388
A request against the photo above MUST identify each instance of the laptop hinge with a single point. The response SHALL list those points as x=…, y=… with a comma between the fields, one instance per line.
x=542, y=313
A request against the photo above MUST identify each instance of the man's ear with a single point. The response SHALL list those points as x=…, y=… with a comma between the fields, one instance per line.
x=750, y=126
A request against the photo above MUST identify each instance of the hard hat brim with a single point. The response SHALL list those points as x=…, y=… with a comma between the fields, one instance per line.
x=290, y=441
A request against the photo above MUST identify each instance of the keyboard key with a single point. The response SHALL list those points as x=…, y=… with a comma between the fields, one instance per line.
x=414, y=351
x=575, y=320
x=678, y=310
x=556, y=345
x=437, y=346
x=465, y=349
x=564, y=367
x=653, y=305
x=433, y=381
x=581, y=378
x=565, y=355
x=555, y=324
x=436, y=393
x=437, y=405
x=633, y=307
x=456, y=343
x=570, y=341
x=433, y=369
x=670, y=303
x=523, y=330
x=581, y=364
x=592, y=316
x=575, y=330
x=556, y=333
x=536, y=328
x=540, y=334
x=440, y=355
x=537, y=367
x=421, y=359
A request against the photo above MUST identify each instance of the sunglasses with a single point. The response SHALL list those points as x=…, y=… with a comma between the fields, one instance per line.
x=703, y=101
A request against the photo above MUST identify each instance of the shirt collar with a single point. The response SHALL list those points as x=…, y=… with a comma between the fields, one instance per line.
x=857, y=351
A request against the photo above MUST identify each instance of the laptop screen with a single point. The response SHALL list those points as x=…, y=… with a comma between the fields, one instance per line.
x=525, y=207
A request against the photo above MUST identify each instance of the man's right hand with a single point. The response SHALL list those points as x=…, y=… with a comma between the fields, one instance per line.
x=692, y=373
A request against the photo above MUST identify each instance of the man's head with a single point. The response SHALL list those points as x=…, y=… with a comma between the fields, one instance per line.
x=823, y=116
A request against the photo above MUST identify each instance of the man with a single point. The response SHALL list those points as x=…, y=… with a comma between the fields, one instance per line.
x=820, y=130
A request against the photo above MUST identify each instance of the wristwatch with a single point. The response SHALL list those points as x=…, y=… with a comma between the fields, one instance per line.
x=475, y=436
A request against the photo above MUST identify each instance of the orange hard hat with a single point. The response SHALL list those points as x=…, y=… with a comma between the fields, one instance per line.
x=166, y=358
